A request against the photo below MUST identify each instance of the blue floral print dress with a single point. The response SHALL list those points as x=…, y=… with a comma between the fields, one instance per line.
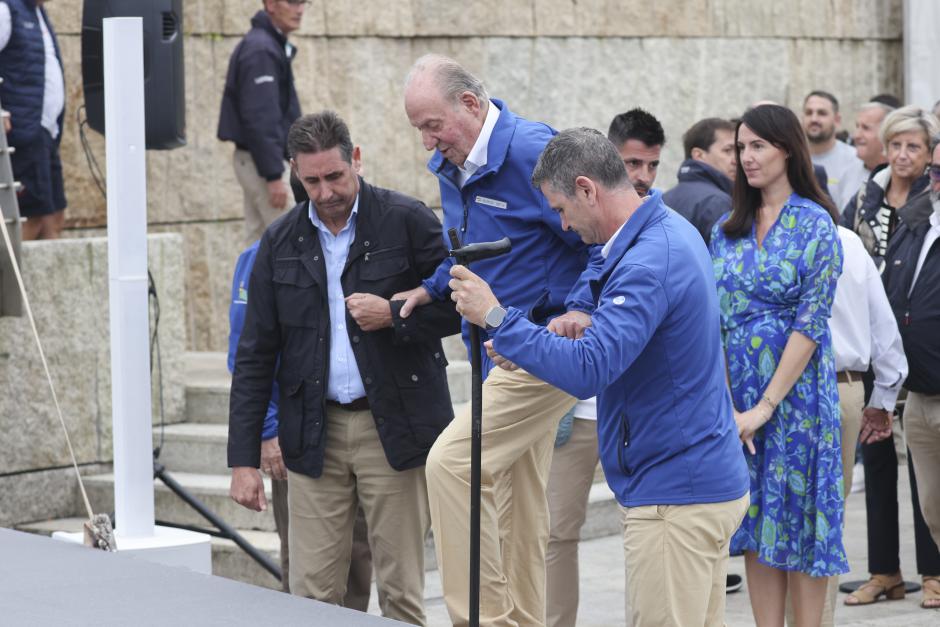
x=766, y=292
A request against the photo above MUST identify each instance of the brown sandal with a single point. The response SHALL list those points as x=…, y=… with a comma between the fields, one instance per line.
x=889, y=586
x=931, y=600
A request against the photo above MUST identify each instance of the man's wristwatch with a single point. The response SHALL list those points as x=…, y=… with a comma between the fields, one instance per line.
x=494, y=317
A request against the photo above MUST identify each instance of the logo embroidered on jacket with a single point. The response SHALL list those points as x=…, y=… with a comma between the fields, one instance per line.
x=267, y=78
x=483, y=200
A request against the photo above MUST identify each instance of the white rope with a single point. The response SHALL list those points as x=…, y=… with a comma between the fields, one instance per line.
x=42, y=355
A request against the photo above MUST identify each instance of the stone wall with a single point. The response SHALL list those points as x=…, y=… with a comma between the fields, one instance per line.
x=67, y=282
x=567, y=62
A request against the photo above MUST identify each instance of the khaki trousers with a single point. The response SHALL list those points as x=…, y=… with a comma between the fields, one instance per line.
x=323, y=510
x=569, y=485
x=922, y=430
x=359, y=582
x=677, y=561
x=520, y=416
x=258, y=211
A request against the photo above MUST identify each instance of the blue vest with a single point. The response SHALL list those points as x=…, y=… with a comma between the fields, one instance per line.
x=23, y=69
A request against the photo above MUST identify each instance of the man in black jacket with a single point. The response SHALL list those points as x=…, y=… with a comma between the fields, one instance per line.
x=363, y=392
x=258, y=106
x=705, y=177
x=912, y=281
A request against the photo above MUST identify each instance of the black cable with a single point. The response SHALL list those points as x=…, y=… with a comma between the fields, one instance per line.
x=90, y=159
x=154, y=300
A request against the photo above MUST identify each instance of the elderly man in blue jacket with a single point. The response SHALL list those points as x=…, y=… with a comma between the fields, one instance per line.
x=484, y=155
x=666, y=430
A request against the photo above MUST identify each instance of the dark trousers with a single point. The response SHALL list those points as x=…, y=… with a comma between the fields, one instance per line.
x=881, y=508
x=881, y=505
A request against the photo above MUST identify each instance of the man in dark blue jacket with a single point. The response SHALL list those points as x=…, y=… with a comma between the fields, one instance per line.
x=359, y=582
x=912, y=281
x=483, y=158
x=668, y=440
x=258, y=106
x=33, y=93
x=363, y=392
x=705, y=177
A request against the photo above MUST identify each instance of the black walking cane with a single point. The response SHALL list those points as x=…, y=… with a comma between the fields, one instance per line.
x=464, y=255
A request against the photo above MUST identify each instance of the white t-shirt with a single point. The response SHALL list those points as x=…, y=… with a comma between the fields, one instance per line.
x=586, y=410
x=846, y=173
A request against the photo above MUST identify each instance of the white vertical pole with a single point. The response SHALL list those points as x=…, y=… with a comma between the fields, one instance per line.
x=127, y=271
x=921, y=51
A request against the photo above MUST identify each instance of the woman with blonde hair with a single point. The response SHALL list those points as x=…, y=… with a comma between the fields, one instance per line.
x=873, y=212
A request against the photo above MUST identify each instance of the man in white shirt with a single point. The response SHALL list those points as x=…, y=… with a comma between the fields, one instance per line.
x=864, y=332
x=845, y=171
x=33, y=94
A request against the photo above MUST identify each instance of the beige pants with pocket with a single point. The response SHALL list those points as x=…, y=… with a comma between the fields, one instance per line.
x=520, y=416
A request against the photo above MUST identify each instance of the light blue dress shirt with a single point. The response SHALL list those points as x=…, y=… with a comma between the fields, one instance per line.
x=345, y=383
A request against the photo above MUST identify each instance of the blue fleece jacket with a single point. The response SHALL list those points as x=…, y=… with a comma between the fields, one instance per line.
x=653, y=356
x=542, y=273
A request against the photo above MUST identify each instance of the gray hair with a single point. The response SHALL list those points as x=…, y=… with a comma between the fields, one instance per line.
x=452, y=78
x=317, y=132
x=579, y=152
x=875, y=105
x=934, y=142
x=906, y=119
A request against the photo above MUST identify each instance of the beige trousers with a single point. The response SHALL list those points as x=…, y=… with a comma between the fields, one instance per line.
x=520, y=416
x=569, y=485
x=677, y=561
x=922, y=430
x=359, y=582
x=851, y=405
x=258, y=211
x=323, y=510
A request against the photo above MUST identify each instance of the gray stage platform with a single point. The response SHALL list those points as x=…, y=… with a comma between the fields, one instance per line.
x=50, y=582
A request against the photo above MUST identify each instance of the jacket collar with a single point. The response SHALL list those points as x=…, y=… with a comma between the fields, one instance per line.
x=651, y=211
x=916, y=211
x=692, y=170
x=306, y=240
x=263, y=21
x=496, y=150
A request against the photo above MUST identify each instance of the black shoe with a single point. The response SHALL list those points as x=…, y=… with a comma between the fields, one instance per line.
x=733, y=583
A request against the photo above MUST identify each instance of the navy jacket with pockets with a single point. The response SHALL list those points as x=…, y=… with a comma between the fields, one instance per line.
x=259, y=103
x=397, y=244
x=918, y=315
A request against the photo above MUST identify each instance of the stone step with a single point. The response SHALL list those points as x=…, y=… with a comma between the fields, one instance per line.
x=208, y=383
x=200, y=447
x=210, y=489
x=228, y=560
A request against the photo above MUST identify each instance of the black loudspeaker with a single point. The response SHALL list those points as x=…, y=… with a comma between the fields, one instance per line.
x=164, y=88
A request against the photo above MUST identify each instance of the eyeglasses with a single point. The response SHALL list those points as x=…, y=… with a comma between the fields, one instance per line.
x=295, y=3
x=934, y=172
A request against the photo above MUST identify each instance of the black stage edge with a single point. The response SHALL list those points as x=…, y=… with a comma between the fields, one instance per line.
x=52, y=582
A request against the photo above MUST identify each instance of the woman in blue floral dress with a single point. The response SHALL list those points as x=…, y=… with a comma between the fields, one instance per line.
x=777, y=258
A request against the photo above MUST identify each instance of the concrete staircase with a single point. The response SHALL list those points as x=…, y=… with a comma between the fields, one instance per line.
x=194, y=453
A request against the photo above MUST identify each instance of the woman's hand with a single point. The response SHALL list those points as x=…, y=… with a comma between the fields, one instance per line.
x=749, y=422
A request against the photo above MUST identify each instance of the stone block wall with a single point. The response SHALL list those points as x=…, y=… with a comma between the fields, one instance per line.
x=567, y=62
x=67, y=283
